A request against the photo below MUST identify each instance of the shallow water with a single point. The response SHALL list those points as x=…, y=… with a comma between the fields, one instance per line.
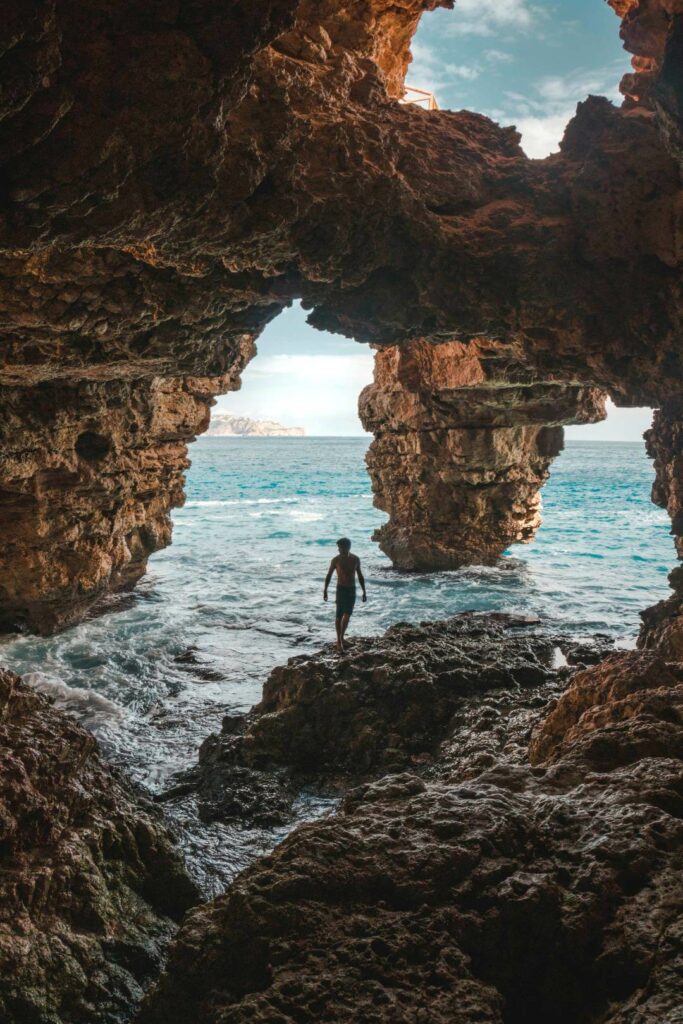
x=240, y=591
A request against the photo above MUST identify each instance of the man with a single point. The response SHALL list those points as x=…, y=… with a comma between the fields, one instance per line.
x=346, y=566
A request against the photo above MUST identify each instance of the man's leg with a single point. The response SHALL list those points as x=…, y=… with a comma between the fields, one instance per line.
x=344, y=626
x=337, y=625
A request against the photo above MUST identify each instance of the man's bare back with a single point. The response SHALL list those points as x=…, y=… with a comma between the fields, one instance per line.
x=347, y=567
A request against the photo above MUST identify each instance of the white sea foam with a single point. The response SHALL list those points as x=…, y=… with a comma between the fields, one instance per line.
x=92, y=709
x=307, y=517
x=241, y=501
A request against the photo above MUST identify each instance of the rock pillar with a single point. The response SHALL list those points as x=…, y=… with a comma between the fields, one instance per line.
x=663, y=623
x=461, y=453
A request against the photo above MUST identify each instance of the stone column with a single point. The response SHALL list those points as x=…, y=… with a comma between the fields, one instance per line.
x=663, y=623
x=463, y=444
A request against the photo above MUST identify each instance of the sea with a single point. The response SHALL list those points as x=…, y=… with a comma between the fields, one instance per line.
x=240, y=591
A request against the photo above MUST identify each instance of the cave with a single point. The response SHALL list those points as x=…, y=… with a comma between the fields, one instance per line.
x=174, y=176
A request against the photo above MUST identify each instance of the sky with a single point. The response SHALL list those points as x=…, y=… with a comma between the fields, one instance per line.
x=303, y=378
x=521, y=62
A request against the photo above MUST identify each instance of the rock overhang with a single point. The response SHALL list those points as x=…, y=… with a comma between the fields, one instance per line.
x=174, y=176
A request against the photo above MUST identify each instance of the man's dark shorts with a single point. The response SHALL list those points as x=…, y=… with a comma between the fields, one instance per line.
x=346, y=599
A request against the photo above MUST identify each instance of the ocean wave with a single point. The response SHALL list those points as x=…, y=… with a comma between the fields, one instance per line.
x=219, y=502
x=307, y=517
x=92, y=709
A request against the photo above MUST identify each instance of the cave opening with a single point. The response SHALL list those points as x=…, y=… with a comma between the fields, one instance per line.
x=518, y=63
x=302, y=378
x=174, y=176
x=598, y=494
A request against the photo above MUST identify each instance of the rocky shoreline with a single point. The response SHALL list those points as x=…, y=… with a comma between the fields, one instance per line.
x=507, y=845
x=91, y=886
x=529, y=871
x=327, y=723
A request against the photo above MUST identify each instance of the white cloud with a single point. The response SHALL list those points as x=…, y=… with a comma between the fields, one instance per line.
x=490, y=17
x=620, y=425
x=541, y=135
x=466, y=71
x=313, y=368
x=578, y=84
x=317, y=392
x=430, y=71
x=498, y=57
x=542, y=114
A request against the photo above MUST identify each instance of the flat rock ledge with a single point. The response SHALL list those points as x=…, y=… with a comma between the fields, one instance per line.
x=505, y=883
x=328, y=723
x=91, y=886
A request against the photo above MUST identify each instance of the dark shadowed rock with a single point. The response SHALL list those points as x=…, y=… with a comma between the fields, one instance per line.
x=91, y=887
x=386, y=706
x=501, y=892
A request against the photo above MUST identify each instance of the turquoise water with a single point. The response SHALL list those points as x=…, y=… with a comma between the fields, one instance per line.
x=240, y=590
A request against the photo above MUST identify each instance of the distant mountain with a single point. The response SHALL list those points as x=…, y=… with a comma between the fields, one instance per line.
x=225, y=425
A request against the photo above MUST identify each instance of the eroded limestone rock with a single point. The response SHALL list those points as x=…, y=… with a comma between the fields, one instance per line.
x=174, y=175
x=91, y=887
x=92, y=471
x=663, y=623
x=463, y=444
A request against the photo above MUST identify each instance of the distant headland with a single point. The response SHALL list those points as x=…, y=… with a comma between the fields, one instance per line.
x=225, y=425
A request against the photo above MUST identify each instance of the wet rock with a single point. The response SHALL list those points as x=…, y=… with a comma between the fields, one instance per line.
x=588, y=652
x=505, y=893
x=385, y=706
x=91, y=886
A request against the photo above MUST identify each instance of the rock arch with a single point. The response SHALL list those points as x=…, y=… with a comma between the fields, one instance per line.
x=172, y=176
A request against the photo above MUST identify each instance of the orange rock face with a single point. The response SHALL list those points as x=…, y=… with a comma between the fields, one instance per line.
x=88, y=502
x=628, y=707
x=174, y=175
x=461, y=451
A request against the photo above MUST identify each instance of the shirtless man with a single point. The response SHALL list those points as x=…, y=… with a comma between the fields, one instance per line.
x=346, y=566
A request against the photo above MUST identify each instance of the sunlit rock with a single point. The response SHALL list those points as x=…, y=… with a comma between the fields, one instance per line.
x=173, y=177
x=464, y=440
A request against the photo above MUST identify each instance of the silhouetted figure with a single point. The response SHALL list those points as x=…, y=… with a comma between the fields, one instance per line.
x=346, y=566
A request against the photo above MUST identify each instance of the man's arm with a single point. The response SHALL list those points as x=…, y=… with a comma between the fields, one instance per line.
x=330, y=573
x=361, y=578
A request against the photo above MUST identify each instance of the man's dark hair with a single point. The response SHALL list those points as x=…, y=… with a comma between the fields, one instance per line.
x=345, y=543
